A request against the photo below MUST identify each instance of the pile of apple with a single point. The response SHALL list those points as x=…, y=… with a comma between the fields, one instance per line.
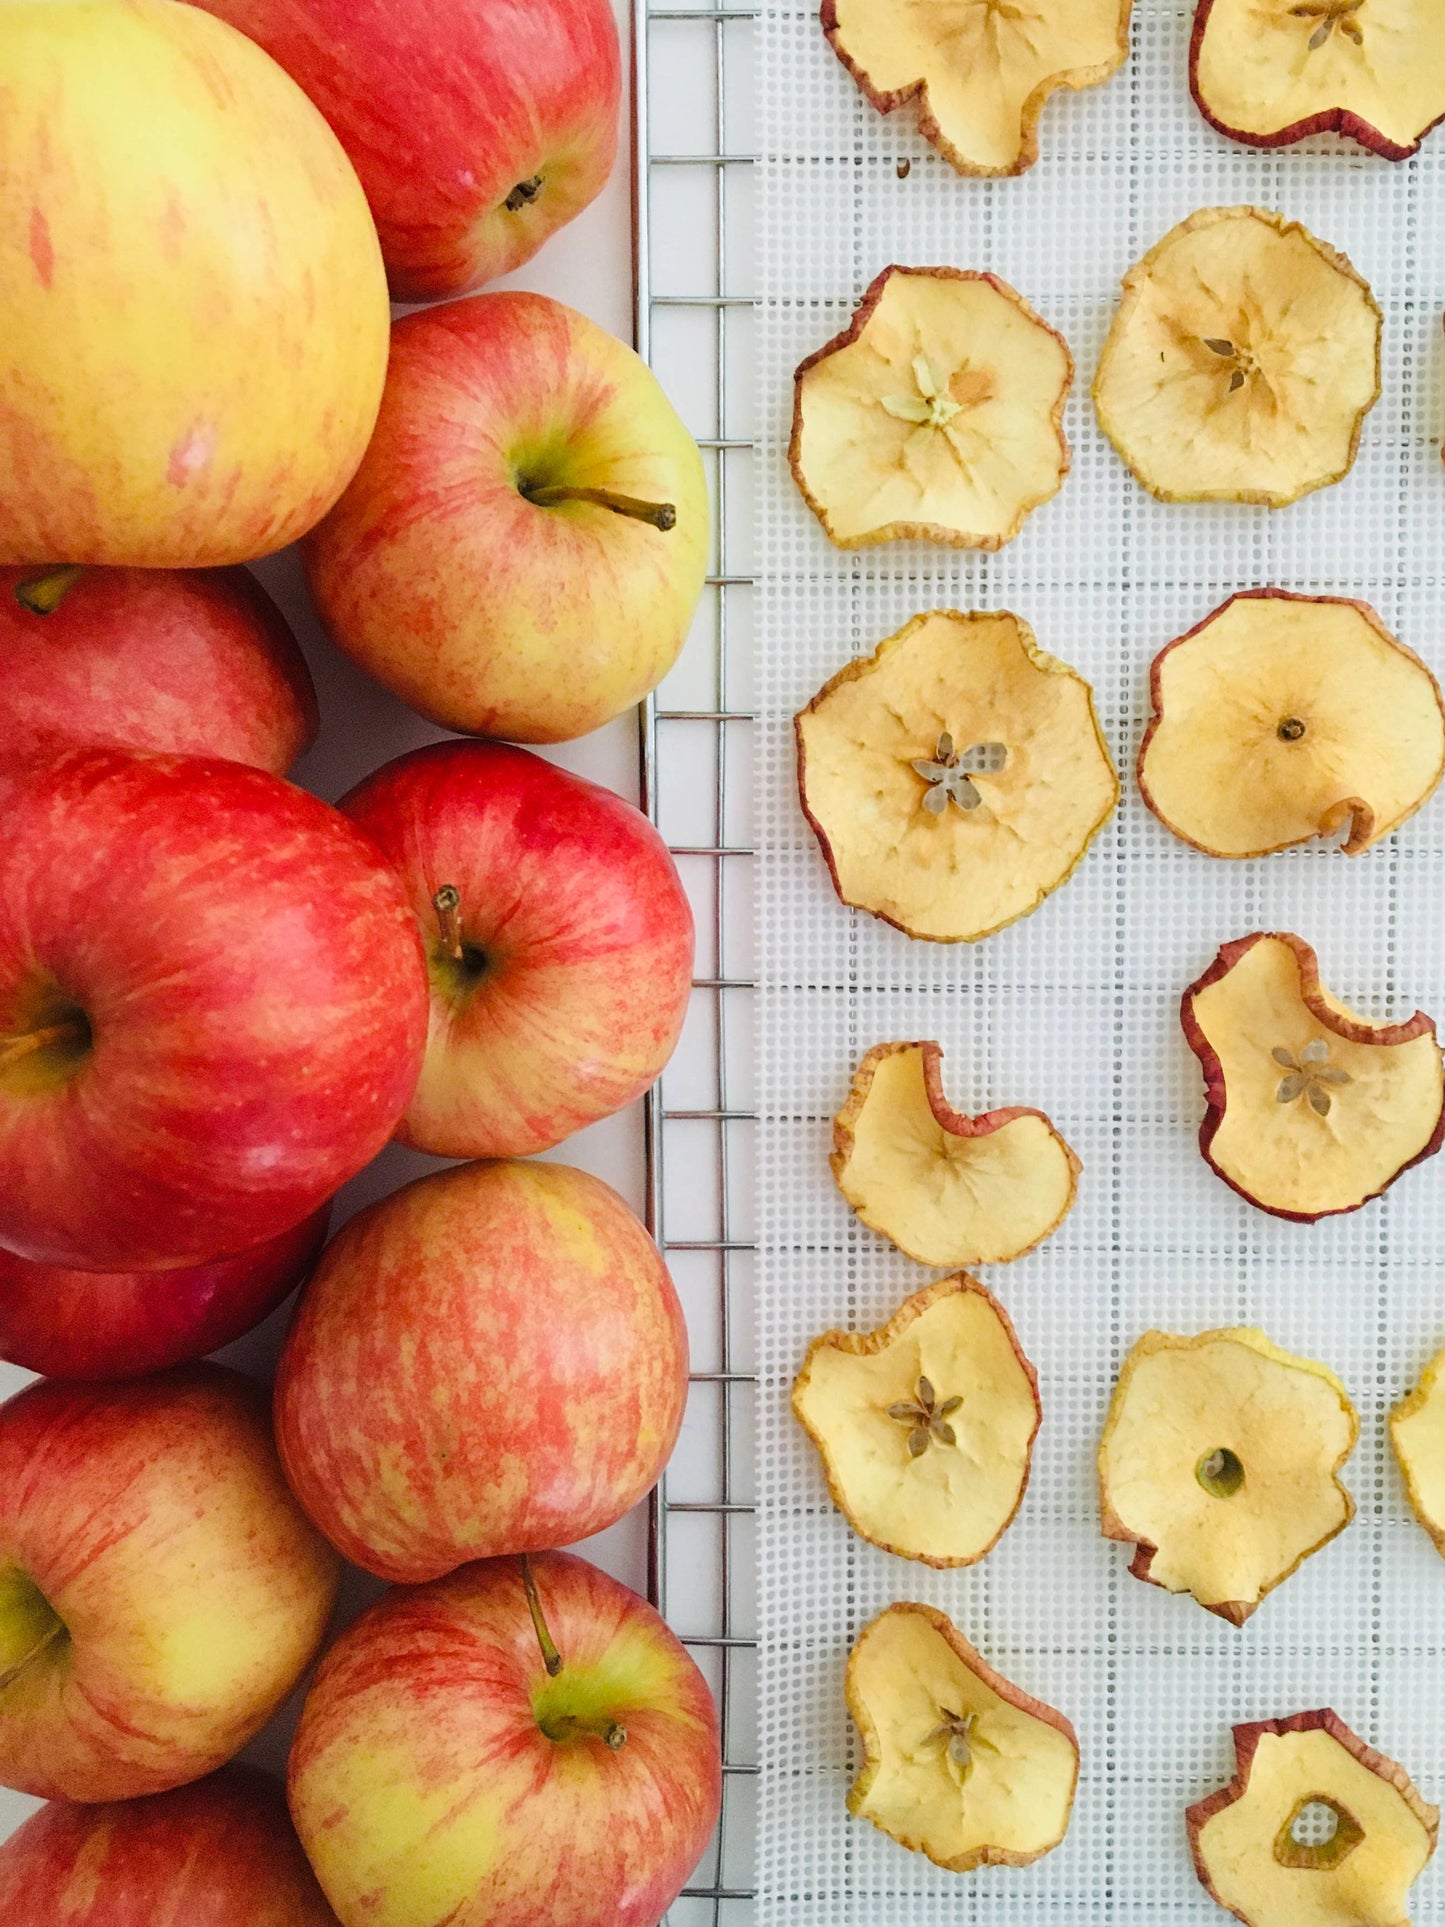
x=220, y=997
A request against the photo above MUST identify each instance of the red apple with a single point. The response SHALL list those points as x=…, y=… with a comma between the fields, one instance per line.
x=213, y=1008
x=561, y=953
x=522, y=549
x=160, y=1591
x=221, y=1853
x=477, y=129
x=96, y=1324
x=197, y=660
x=443, y=1771
x=491, y=1360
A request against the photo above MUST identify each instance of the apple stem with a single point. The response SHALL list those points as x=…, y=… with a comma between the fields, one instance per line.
x=43, y=594
x=523, y=194
x=567, y=1726
x=662, y=515
x=551, y=1658
x=14, y=1050
x=448, y=903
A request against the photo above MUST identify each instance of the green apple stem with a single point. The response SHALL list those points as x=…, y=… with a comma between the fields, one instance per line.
x=662, y=515
x=551, y=1658
x=561, y=1727
x=28, y=1625
x=43, y=594
x=448, y=904
x=14, y=1050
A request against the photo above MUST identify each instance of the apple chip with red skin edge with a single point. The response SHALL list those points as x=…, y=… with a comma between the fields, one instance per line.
x=1219, y=1461
x=1311, y=1110
x=1417, y=1432
x=926, y=1426
x=980, y=74
x=1271, y=72
x=947, y=1189
x=1242, y=361
x=1283, y=717
x=936, y=414
x=1316, y=1829
x=954, y=777
x=960, y=1764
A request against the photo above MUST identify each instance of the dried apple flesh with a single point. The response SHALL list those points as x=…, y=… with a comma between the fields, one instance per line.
x=1220, y=1454
x=936, y=416
x=948, y=1190
x=1241, y=363
x=1278, y=716
x=925, y=1427
x=1010, y=1803
x=1417, y=1431
x=960, y=873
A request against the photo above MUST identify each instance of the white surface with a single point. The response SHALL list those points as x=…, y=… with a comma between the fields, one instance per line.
x=1074, y=1010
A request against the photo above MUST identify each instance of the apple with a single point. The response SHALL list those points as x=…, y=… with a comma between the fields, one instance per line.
x=160, y=1591
x=213, y=1008
x=558, y=937
x=96, y=1324
x=221, y=1853
x=193, y=305
x=491, y=1360
x=523, y=546
x=477, y=129
x=458, y=1762
x=199, y=661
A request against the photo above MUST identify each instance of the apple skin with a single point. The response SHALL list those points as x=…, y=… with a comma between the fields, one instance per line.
x=97, y=1325
x=153, y=1518
x=196, y=320
x=199, y=662
x=247, y=971
x=491, y=1360
x=577, y=944
x=438, y=576
x=424, y=1789
x=445, y=107
x=221, y=1853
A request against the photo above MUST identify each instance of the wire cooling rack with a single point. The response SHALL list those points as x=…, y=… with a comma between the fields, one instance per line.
x=694, y=323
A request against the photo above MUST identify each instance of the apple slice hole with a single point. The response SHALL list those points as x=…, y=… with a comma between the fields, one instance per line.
x=1319, y=1836
x=1220, y=1472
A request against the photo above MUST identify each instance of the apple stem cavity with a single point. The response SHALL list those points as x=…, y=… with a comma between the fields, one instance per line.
x=43, y=594
x=661, y=515
x=29, y=1626
x=14, y=1050
x=551, y=1658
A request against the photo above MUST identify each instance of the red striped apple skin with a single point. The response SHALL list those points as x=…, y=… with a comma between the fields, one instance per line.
x=425, y=1791
x=221, y=1853
x=580, y=936
x=491, y=1360
x=196, y=661
x=153, y=1518
x=256, y=998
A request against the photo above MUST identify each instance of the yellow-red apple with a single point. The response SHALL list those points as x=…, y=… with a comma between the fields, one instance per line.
x=458, y=1762
x=192, y=298
x=160, y=1591
x=523, y=546
x=491, y=1360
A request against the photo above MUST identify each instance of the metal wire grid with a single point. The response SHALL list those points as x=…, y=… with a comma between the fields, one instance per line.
x=694, y=322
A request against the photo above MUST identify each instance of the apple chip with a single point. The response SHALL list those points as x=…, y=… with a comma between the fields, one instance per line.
x=1242, y=362
x=954, y=777
x=1284, y=717
x=959, y=1764
x=926, y=1426
x=947, y=1189
x=937, y=413
x=1417, y=1432
x=1315, y=1830
x=979, y=74
x=1218, y=1464
x=1310, y=1109
x=1270, y=72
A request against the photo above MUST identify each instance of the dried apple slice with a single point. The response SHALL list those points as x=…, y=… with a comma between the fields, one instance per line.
x=980, y=74
x=1242, y=362
x=1315, y=1830
x=947, y=1189
x=937, y=413
x=926, y=1426
x=959, y=1764
x=1310, y=1109
x=1218, y=1464
x=1271, y=74
x=1284, y=717
x=955, y=776
x=1417, y=1432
